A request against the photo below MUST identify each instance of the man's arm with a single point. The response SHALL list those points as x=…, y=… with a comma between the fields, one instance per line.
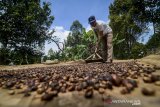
x=99, y=36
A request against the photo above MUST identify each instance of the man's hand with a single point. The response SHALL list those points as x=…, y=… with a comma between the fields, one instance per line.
x=96, y=47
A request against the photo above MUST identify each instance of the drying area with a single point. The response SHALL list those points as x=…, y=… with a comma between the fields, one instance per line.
x=76, y=85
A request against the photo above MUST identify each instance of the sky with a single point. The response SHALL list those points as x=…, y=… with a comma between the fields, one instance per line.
x=67, y=11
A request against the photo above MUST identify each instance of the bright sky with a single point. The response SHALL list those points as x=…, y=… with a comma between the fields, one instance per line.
x=66, y=11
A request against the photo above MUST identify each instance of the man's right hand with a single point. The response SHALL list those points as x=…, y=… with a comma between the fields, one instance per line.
x=96, y=47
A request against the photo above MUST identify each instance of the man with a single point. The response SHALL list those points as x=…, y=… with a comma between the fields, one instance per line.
x=104, y=35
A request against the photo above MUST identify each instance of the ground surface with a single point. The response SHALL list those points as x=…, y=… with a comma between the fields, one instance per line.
x=76, y=99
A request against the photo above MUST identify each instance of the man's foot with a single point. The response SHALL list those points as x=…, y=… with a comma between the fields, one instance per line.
x=109, y=61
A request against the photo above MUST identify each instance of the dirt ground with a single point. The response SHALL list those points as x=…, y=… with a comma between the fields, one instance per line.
x=76, y=99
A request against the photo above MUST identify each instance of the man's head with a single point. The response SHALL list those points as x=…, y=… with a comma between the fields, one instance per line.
x=92, y=21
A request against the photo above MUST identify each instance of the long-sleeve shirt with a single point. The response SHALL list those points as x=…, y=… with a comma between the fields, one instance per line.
x=101, y=26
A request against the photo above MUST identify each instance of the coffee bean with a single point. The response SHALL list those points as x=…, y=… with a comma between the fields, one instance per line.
x=79, y=87
x=96, y=86
x=148, y=91
x=40, y=90
x=129, y=87
x=101, y=90
x=109, y=85
x=124, y=91
x=71, y=88
x=157, y=83
x=18, y=86
x=9, y=84
x=27, y=94
x=147, y=79
x=34, y=88
x=133, y=82
x=63, y=89
x=54, y=93
x=84, y=85
x=11, y=92
x=47, y=97
x=155, y=78
x=116, y=80
x=89, y=94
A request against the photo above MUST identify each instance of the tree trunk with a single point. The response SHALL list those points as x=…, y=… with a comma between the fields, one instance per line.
x=26, y=58
x=154, y=28
x=21, y=60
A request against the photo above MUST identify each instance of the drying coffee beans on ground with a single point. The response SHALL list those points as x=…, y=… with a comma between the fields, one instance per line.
x=50, y=81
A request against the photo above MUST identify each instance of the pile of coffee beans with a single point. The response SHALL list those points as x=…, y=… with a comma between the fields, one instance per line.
x=49, y=81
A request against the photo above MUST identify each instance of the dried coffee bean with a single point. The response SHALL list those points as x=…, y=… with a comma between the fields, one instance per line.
x=79, y=87
x=47, y=97
x=12, y=92
x=157, y=83
x=72, y=80
x=96, y=86
x=57, y=88
x=71, y=88
x=155, y=78
x=124, y=91
x=116, y=80
x=18, y=86
x=149, y=70
x=94, y=81
x=9, y=84
x=34, y=88
x=90, y=83
x=101, y=90
x=40, y=90
x=148, y=91
x=84, y=85
x=129, y=87
x=103, y=85
x=63, y=89
x=147, y=79
x=54, y=93
x=53, y=84
x=134, y=76
x=89, y=93
x=27, y=94
x=130, y=81
x=108, y=77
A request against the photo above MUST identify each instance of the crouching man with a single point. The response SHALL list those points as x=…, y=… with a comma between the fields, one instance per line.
x=104, y=35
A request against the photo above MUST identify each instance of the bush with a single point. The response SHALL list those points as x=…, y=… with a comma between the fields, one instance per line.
x=139, y=50
x=4, y=56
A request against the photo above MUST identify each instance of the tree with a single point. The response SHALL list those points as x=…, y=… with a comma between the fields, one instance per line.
x=127, y=20
x=75, y=36
x=152, y=9
x=25, y=24
x=74, y=40
x=138, y=50
x=80, y=50
x=154, y=42
x=50, y=52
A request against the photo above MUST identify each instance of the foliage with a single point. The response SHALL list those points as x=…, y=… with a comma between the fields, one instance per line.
x=74, y=44
x=154, y=41
x=50, y=52
x=129, y=20
x=152, y=10
x=75, y=36
x=25, y=23
x=139, y=50
x=4, y=55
